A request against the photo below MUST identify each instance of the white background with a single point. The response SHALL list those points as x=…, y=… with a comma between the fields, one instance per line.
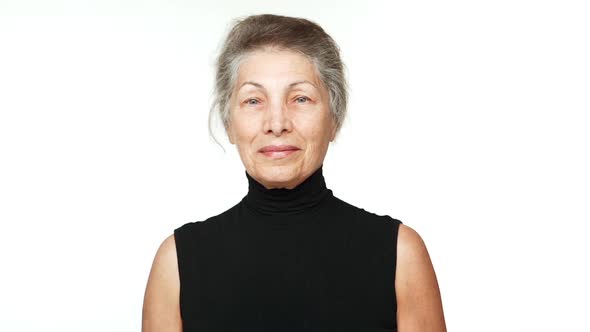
x=469, y=121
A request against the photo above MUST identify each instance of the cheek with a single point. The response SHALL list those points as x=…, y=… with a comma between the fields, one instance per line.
x=316, y=139
x=317, y=131
x=244, y=135
x=243, y=128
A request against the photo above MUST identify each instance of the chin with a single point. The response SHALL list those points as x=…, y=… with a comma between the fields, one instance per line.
x=277, y=174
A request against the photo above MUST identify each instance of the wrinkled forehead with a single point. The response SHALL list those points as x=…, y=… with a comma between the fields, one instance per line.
x=276, y=68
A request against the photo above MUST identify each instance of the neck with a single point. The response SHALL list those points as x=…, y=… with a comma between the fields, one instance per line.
x=284, y=201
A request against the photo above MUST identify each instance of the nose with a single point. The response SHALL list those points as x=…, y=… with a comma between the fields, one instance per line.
x=277, y=119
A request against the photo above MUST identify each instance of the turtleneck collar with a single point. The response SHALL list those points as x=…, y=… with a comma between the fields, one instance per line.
x=282, y=201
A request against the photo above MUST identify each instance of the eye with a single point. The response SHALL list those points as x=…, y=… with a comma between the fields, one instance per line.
x=304, y=98
x=251, y=101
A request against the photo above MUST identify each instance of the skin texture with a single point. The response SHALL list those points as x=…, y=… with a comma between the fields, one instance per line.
x=271, y=111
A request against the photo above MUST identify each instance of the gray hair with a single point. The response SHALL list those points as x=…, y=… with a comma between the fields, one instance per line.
x=258, y=32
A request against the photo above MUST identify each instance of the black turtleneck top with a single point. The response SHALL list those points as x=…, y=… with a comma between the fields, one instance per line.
x=282, y=259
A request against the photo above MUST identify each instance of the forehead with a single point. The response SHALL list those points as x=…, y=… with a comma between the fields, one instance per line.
x=276, y=67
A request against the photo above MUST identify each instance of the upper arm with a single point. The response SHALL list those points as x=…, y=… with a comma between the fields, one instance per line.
x=161, y=306
x=418, y=296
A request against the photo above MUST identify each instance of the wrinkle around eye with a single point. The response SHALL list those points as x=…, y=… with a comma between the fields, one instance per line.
x=300, y=97
x=247, y=101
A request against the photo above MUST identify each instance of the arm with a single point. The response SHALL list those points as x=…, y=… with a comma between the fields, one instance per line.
x=419, y=304
x=161, y=307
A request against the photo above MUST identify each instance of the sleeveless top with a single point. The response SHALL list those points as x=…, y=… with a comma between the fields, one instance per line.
x=283, y=259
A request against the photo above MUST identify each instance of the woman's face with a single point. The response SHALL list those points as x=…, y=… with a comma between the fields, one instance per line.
x=279, y=101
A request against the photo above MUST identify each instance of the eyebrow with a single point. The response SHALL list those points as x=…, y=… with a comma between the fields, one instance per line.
x=258, y=85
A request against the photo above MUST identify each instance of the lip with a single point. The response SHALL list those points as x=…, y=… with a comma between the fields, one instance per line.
x=278, y=151
x=278, y=148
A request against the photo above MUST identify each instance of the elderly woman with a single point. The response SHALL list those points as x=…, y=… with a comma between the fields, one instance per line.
x=290, y=256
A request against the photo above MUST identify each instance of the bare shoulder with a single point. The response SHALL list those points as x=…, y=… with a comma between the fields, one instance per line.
x=417, y=290
x=161, y=307
x=410, y=245
x=166, y=254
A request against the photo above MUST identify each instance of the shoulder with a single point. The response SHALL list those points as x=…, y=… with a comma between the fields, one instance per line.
x=364, y=216
x=410, y=245
x=164, y=271
x=416, y=286
x=166, y=253
x=167, y=248
x=208, y=225
x=413, y=260
x=161, y=308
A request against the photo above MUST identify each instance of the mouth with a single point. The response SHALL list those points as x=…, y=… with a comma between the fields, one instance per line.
x=279, y=151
